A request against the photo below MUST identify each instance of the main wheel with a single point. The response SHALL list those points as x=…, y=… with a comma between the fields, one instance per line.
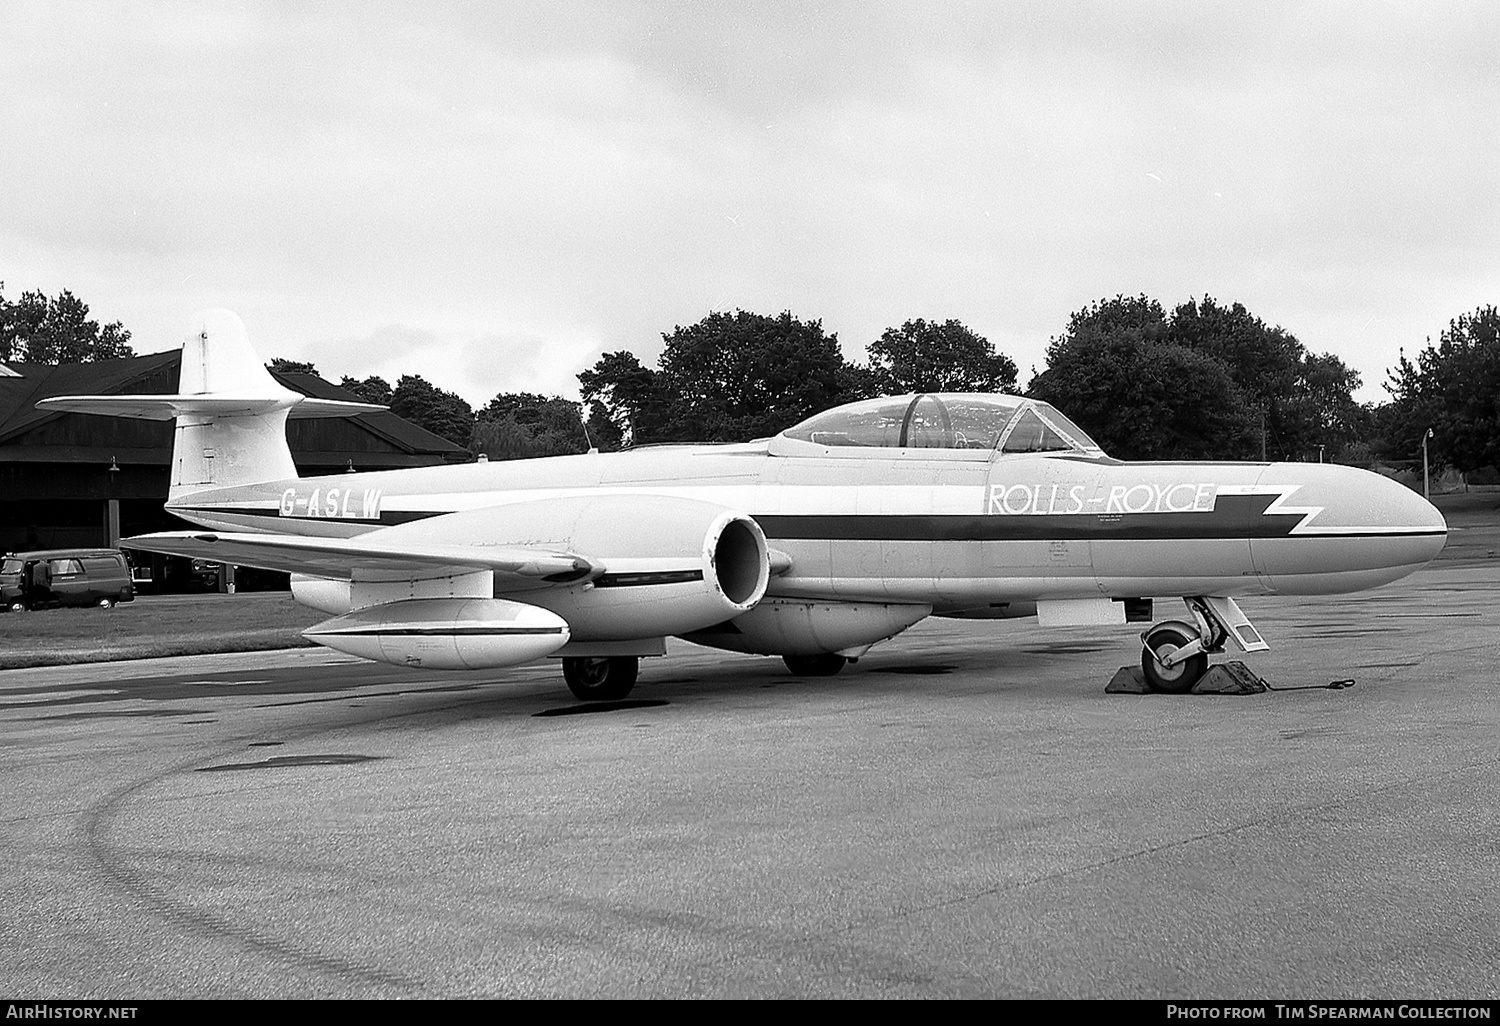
x=18, y=607
x=106, y=603
x=824, y=664
x=601, y=679
x=1176, y=679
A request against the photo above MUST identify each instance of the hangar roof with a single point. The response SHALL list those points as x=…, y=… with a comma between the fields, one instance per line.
x=374, y=440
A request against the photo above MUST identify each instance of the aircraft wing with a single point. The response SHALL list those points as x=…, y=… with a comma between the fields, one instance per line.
x=341, y=557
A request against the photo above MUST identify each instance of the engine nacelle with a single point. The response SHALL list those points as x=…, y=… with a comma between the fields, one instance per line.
x=783, y=627
x=445, y=634
x=690, y=564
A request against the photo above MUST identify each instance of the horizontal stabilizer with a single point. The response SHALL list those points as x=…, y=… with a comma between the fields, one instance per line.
x=216, y=404
x=343, y=558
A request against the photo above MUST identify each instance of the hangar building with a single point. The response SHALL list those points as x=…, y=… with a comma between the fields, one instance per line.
x=72, y=479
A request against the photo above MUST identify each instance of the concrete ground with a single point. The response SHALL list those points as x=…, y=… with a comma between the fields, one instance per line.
x=965, y=813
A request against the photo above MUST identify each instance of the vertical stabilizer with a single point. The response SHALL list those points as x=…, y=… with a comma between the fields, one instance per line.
x=215, y=449
x=231, y=413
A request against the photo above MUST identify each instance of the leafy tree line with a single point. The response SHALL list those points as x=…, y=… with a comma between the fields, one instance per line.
x=734, y=377
x=1205, y=380
x=1453, y=389
x=730, y=377
x=414, y=398
x=35, y=329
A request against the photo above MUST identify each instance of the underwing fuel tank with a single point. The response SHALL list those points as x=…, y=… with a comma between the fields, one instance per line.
x=445, y=634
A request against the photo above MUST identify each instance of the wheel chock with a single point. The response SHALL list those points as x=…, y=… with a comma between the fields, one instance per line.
x=1232, y=678
x=1128, y=680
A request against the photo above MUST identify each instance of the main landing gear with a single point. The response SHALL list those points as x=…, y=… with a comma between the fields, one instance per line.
x=600, y=678
x=824, y=664
x=1174, y=654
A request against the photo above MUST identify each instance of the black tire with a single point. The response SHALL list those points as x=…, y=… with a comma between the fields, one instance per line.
x=600, y=679
x=106, y=603
x=1179, y=678
x=18, y=607
x=824, y=664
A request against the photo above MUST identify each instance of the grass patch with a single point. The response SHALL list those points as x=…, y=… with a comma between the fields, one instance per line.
x=155, y=625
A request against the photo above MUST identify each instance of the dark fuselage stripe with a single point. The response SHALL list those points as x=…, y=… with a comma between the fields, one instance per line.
x=641, y=580
x=440, y=632
x=386, y=519
x=1077, y=527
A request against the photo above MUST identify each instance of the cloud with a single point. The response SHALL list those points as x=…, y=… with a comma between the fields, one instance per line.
x=497, y=194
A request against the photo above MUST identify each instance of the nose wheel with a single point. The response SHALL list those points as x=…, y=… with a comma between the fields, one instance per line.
x=1174, y=653
x=1163, y=643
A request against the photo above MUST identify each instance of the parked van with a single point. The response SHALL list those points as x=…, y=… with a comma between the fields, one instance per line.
x=65, y=577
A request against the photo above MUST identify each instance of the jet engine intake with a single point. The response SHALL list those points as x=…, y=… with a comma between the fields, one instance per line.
x=707, y=564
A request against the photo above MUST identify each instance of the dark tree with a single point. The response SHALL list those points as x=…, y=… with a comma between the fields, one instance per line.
x=370, y=390
x=282, y=365
x=627, y=394
x=930, y=357
x=1452, y=388
x=734, y=377
x=1302, y=401
x=1139, y=395
x=1296, y=405
x=1322, y=414
x=730, y=377
x=1263, y=360
x=35, y=329
x=520, y=425
x=442, y=413
x=859, y=381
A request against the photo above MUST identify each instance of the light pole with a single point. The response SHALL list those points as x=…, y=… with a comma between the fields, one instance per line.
x=1428, y=435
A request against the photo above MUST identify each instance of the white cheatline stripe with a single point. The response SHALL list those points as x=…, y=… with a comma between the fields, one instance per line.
x=756, y=500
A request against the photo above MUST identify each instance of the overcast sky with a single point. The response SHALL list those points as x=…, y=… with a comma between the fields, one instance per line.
x=492, y=194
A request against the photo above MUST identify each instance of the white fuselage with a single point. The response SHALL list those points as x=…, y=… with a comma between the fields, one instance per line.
x=953, y=531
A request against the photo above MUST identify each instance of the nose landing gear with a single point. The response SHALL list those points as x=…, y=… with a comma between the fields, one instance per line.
x=1167, y=661
x=1174, y=654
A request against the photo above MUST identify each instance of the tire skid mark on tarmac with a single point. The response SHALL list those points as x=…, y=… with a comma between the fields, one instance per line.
x=740, y=939
x=114, y=864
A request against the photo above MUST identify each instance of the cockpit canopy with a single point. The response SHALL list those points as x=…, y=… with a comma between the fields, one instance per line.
x=966, y=425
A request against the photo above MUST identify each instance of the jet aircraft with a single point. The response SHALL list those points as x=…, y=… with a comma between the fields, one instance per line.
x=837, y=534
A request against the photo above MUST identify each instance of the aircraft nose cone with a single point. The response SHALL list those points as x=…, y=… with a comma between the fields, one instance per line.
x=1426, y=530
x=1358, y=530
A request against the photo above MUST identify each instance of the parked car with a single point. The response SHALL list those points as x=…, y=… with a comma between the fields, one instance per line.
x=65, y=577
x=206, y=575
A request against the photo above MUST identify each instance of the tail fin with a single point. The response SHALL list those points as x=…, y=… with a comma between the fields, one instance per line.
x=231, y=414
